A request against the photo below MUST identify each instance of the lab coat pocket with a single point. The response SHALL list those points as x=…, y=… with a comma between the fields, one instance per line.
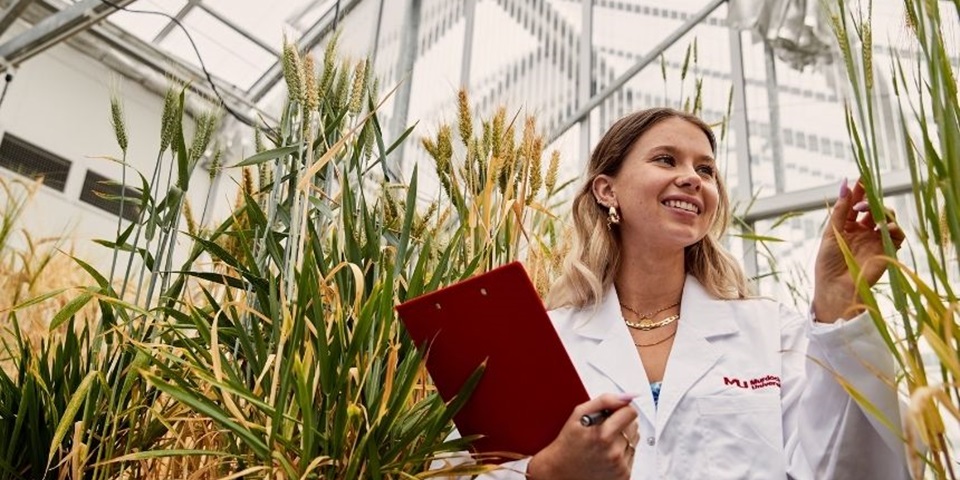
x=741, y=435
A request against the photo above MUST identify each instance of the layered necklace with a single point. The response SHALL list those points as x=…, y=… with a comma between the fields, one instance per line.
x=646, y=322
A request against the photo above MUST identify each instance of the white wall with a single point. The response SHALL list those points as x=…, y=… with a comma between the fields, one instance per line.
x=60, y=101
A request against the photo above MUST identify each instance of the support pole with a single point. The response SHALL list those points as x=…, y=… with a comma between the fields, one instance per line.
x=585, y=79
x=744, y=190
x=773, y=102
x=470, y=12
x=376, y=36
x=405, y=64
x=618, y=83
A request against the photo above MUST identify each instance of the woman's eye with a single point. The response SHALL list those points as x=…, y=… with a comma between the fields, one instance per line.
x=664, y=159
x=705, y=170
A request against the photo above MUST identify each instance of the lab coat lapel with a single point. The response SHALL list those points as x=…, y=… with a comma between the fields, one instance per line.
x=614, y=354
x=702, y=318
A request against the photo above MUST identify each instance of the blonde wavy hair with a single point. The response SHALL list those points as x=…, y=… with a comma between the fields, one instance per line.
x=593, y=258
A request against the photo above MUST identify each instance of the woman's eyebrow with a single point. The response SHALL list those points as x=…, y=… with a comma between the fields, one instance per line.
x=675, y=151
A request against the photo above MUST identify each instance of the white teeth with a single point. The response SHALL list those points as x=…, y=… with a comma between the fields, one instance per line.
x=682, y=205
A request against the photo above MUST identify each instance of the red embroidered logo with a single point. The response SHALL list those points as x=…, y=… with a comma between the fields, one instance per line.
x=753, y=383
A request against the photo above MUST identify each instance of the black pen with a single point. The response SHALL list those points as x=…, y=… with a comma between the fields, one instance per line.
x=597, y=418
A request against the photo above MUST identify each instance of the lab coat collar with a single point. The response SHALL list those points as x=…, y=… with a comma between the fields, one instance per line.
x=702, y=317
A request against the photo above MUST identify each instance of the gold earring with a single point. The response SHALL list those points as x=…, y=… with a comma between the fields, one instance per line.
x=613, y=216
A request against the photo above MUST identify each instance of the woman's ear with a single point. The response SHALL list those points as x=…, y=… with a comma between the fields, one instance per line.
x=602, y=187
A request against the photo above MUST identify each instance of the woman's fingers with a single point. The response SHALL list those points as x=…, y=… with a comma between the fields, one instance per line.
x=616, y=435
x=633, y=432
x=621, y=422
x=616, y=414
x=896, y=234
x=632, y=435
x=618, y=422
x=867, y=222
x=863, y=218
x=857, y=194
x=605, y=405
x=598, y=441
x=841, y=209
x=619, y=433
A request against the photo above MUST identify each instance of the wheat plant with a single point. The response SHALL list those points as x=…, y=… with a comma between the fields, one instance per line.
x=273, y=350
x=923, y=289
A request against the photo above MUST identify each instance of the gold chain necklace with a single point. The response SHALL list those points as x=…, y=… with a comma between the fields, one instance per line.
x=651, y=326
x=645, y=317
x=658, y=342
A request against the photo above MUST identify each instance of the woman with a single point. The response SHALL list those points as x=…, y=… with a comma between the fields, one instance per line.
x=702, y=380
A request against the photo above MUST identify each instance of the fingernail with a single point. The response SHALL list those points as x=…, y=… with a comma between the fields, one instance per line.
x=862, y=206
x=626, y=397
x=844, y=189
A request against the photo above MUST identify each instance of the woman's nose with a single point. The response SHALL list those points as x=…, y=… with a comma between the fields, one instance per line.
x=688, y=178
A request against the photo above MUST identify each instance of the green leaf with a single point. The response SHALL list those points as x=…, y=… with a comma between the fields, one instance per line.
x=758, y=238
x=220, y=278
x=385, y=152
x=70, y=309
x=268, y=155
x=462, y=396
x=8, y=470
x=100, y=279
x=411, y=206
x=783, y=218
x=126, y=247
x=76, y=401
x=38, y=299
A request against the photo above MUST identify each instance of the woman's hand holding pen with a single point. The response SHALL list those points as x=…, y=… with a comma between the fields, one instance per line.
x=835, y=295
x=598, y=451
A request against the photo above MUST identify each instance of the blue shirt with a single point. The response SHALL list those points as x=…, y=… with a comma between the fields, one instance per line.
x=655, y=389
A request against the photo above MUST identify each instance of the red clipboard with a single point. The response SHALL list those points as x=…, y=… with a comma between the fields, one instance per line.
x=529, y=386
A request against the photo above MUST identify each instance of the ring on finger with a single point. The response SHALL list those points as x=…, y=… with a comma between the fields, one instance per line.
x=630, y=446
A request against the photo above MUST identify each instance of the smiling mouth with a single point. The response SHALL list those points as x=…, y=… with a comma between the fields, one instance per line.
x=681, y=205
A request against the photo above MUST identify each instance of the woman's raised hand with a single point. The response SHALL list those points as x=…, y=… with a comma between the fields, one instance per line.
x=603, y=451
x=835, y=295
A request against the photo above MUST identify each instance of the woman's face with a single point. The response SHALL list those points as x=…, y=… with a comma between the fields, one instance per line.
x=666, y=189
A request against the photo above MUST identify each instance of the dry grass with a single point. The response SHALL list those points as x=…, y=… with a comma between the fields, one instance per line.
x=30, y=268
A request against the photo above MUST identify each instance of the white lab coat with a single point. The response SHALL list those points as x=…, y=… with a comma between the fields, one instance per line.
x=792, y=419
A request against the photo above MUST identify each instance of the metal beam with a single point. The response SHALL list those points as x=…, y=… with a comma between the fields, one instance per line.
x=376, y=35
x=895, y=182
x=12, y=13
x=194, y=78
x=612, y=88
x=470, y=13
x=741, y=128
x=773, y=104
x=144, y=62
x=172, y=24
x=55, y=29
x=242, y=31
x=585, y=79
x=405, y=64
